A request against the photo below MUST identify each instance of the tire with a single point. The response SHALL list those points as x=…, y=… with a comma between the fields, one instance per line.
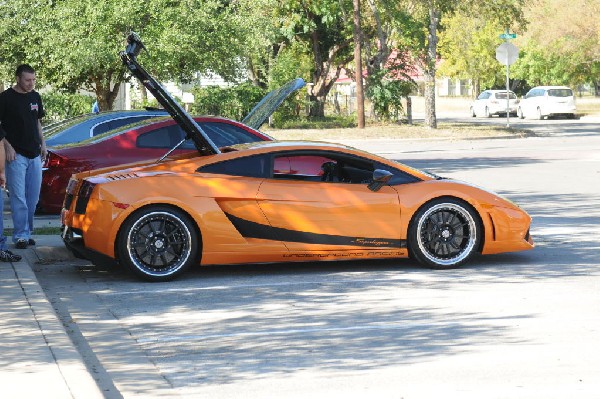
x=539, y=114
x=444, y=233
x=520, y=113
x=487, y=113
x=158, y=243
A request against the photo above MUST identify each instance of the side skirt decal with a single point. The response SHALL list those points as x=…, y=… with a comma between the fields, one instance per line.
x=250, y=229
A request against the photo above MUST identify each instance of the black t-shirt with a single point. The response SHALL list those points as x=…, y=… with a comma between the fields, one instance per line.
x=19, y=114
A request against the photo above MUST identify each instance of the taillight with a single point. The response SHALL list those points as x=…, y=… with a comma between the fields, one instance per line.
x=54, y=161
x=72, y=186
x=83, y=197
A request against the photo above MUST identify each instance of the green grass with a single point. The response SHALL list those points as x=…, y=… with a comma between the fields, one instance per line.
x=40, y=231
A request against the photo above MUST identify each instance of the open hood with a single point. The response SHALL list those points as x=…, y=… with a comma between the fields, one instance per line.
x=265, y=108
x=259, y=114
x=129, y=57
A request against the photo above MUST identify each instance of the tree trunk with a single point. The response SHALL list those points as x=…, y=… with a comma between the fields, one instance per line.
x=476, y=88
x=323, y=81
x=107, y=88
x=430, y=68
x=317, y=106
x=144, y=92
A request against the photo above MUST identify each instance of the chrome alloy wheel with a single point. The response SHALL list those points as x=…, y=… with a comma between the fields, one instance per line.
x=159, y=244
x=446, y=234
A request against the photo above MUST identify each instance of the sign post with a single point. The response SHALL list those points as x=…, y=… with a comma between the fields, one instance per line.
x=507, y=53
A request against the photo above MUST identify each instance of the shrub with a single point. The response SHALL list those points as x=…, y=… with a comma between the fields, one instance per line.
x=233, y=102
x=59, y=105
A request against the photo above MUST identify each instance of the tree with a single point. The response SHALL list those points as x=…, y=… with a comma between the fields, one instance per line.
x=325, y=31
x=75, y=43
x=468, y=50
x=569, y=53
x=431, y=13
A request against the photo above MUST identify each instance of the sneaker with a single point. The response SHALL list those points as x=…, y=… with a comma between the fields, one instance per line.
x=7, y=256
x=31, y=241
x=21, y=243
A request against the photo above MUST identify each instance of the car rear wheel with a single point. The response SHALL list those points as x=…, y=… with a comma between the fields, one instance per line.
x=158, y=243
x=444, y=233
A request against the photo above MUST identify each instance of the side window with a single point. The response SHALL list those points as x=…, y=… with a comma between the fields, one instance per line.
x=484, y=96
x=302, y=167
x=334, y=168
x=164, y=137
x=252, y=166
x=223, y=135
x=105, y=126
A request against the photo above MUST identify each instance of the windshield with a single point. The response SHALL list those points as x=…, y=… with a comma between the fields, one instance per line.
x=560, y=92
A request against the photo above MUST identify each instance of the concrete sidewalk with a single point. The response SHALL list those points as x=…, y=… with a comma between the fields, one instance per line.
x=37, y=357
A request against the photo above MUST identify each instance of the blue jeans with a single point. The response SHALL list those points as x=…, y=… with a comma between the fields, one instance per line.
x=3, y=245
x=24, y=180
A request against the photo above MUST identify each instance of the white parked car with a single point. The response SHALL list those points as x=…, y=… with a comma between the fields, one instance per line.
x=547, y=101
x=493, y=102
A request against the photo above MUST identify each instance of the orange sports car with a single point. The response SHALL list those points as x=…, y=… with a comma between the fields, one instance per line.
x=267, y=202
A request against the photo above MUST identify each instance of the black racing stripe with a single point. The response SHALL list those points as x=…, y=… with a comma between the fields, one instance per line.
x=250, y=229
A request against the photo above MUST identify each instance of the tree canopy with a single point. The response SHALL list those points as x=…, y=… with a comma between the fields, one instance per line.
x=74, y=44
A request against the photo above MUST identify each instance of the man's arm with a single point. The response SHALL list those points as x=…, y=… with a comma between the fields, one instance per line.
x=43, y=151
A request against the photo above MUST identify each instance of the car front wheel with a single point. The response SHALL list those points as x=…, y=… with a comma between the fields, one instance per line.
x=158, y=243
x=444, y=233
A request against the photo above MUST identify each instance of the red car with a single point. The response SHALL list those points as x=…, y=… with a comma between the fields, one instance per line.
x=146, y=141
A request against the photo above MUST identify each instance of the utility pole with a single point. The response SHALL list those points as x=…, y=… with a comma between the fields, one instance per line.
x=360, y=97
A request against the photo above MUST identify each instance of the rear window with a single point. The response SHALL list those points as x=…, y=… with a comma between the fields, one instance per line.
x=502, y=96
x=560, y=92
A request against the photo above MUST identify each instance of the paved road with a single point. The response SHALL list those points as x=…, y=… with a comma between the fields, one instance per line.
x=521, y=325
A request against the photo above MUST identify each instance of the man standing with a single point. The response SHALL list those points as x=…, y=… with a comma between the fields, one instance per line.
x=5, y=254
x=20, y=113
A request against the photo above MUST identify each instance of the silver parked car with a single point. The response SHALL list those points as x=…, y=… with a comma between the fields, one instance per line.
x=493, y=102
x=546, y=101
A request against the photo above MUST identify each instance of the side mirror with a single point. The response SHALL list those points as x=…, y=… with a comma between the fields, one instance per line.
x=380, y=178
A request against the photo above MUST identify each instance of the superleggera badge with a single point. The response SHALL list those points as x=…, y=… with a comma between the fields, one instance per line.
x=34, y=107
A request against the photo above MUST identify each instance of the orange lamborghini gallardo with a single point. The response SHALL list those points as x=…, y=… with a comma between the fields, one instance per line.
x=274, y=201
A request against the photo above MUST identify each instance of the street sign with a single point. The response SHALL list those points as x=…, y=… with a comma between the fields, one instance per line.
x=507, y=36
x=507, y=53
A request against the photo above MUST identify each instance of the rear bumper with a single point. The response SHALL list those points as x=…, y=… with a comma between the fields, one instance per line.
x=501, y=109
x=74, y=242
x=561, y=110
